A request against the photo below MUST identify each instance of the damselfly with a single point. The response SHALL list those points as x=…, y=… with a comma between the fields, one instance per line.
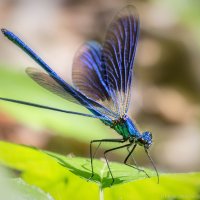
x=102, y=79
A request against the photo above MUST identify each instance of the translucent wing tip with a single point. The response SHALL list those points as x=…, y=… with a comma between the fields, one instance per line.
x=131, y=7
x=127, y=11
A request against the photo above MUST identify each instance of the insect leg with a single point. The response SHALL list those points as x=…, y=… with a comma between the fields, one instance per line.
x=109, y=150
x=100, y=141
x=135, y=167
x=133, y=159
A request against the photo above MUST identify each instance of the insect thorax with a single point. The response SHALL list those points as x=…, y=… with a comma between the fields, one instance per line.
x=125, y=127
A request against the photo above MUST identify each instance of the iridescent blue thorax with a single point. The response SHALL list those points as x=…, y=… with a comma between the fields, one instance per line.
x=127, y=129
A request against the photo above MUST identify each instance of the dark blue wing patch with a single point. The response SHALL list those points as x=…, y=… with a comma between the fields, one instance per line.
x=118, y=56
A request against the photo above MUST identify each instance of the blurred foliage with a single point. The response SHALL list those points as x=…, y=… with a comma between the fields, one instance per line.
x=188, y=10
x=17, y=189
x=53, y=174
x=26, y=191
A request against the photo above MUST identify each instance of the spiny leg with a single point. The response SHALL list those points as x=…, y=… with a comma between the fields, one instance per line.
x=100, y=141
x=109, y=150
x=127, y=157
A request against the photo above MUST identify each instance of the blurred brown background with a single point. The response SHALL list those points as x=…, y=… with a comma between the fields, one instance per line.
x=166, y=89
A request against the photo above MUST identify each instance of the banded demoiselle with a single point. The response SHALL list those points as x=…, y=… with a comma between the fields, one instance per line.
x=102, y=79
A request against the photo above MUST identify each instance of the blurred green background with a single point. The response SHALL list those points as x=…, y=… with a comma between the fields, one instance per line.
x=165, y=94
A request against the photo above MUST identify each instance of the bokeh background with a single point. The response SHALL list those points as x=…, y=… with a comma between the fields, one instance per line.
x=165, y=93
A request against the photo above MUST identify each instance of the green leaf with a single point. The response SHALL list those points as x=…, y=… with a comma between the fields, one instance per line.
x=27, y=160
x=39, y=169
x=66, y=177
x=82, y=168
x=171, y=187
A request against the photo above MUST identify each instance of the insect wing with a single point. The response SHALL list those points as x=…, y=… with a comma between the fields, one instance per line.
x=49, y=83
x=88, y=78
x=118, y=56
x=86, y=71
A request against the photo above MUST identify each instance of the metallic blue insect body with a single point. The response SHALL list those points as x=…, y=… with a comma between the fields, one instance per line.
x=102, y=79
